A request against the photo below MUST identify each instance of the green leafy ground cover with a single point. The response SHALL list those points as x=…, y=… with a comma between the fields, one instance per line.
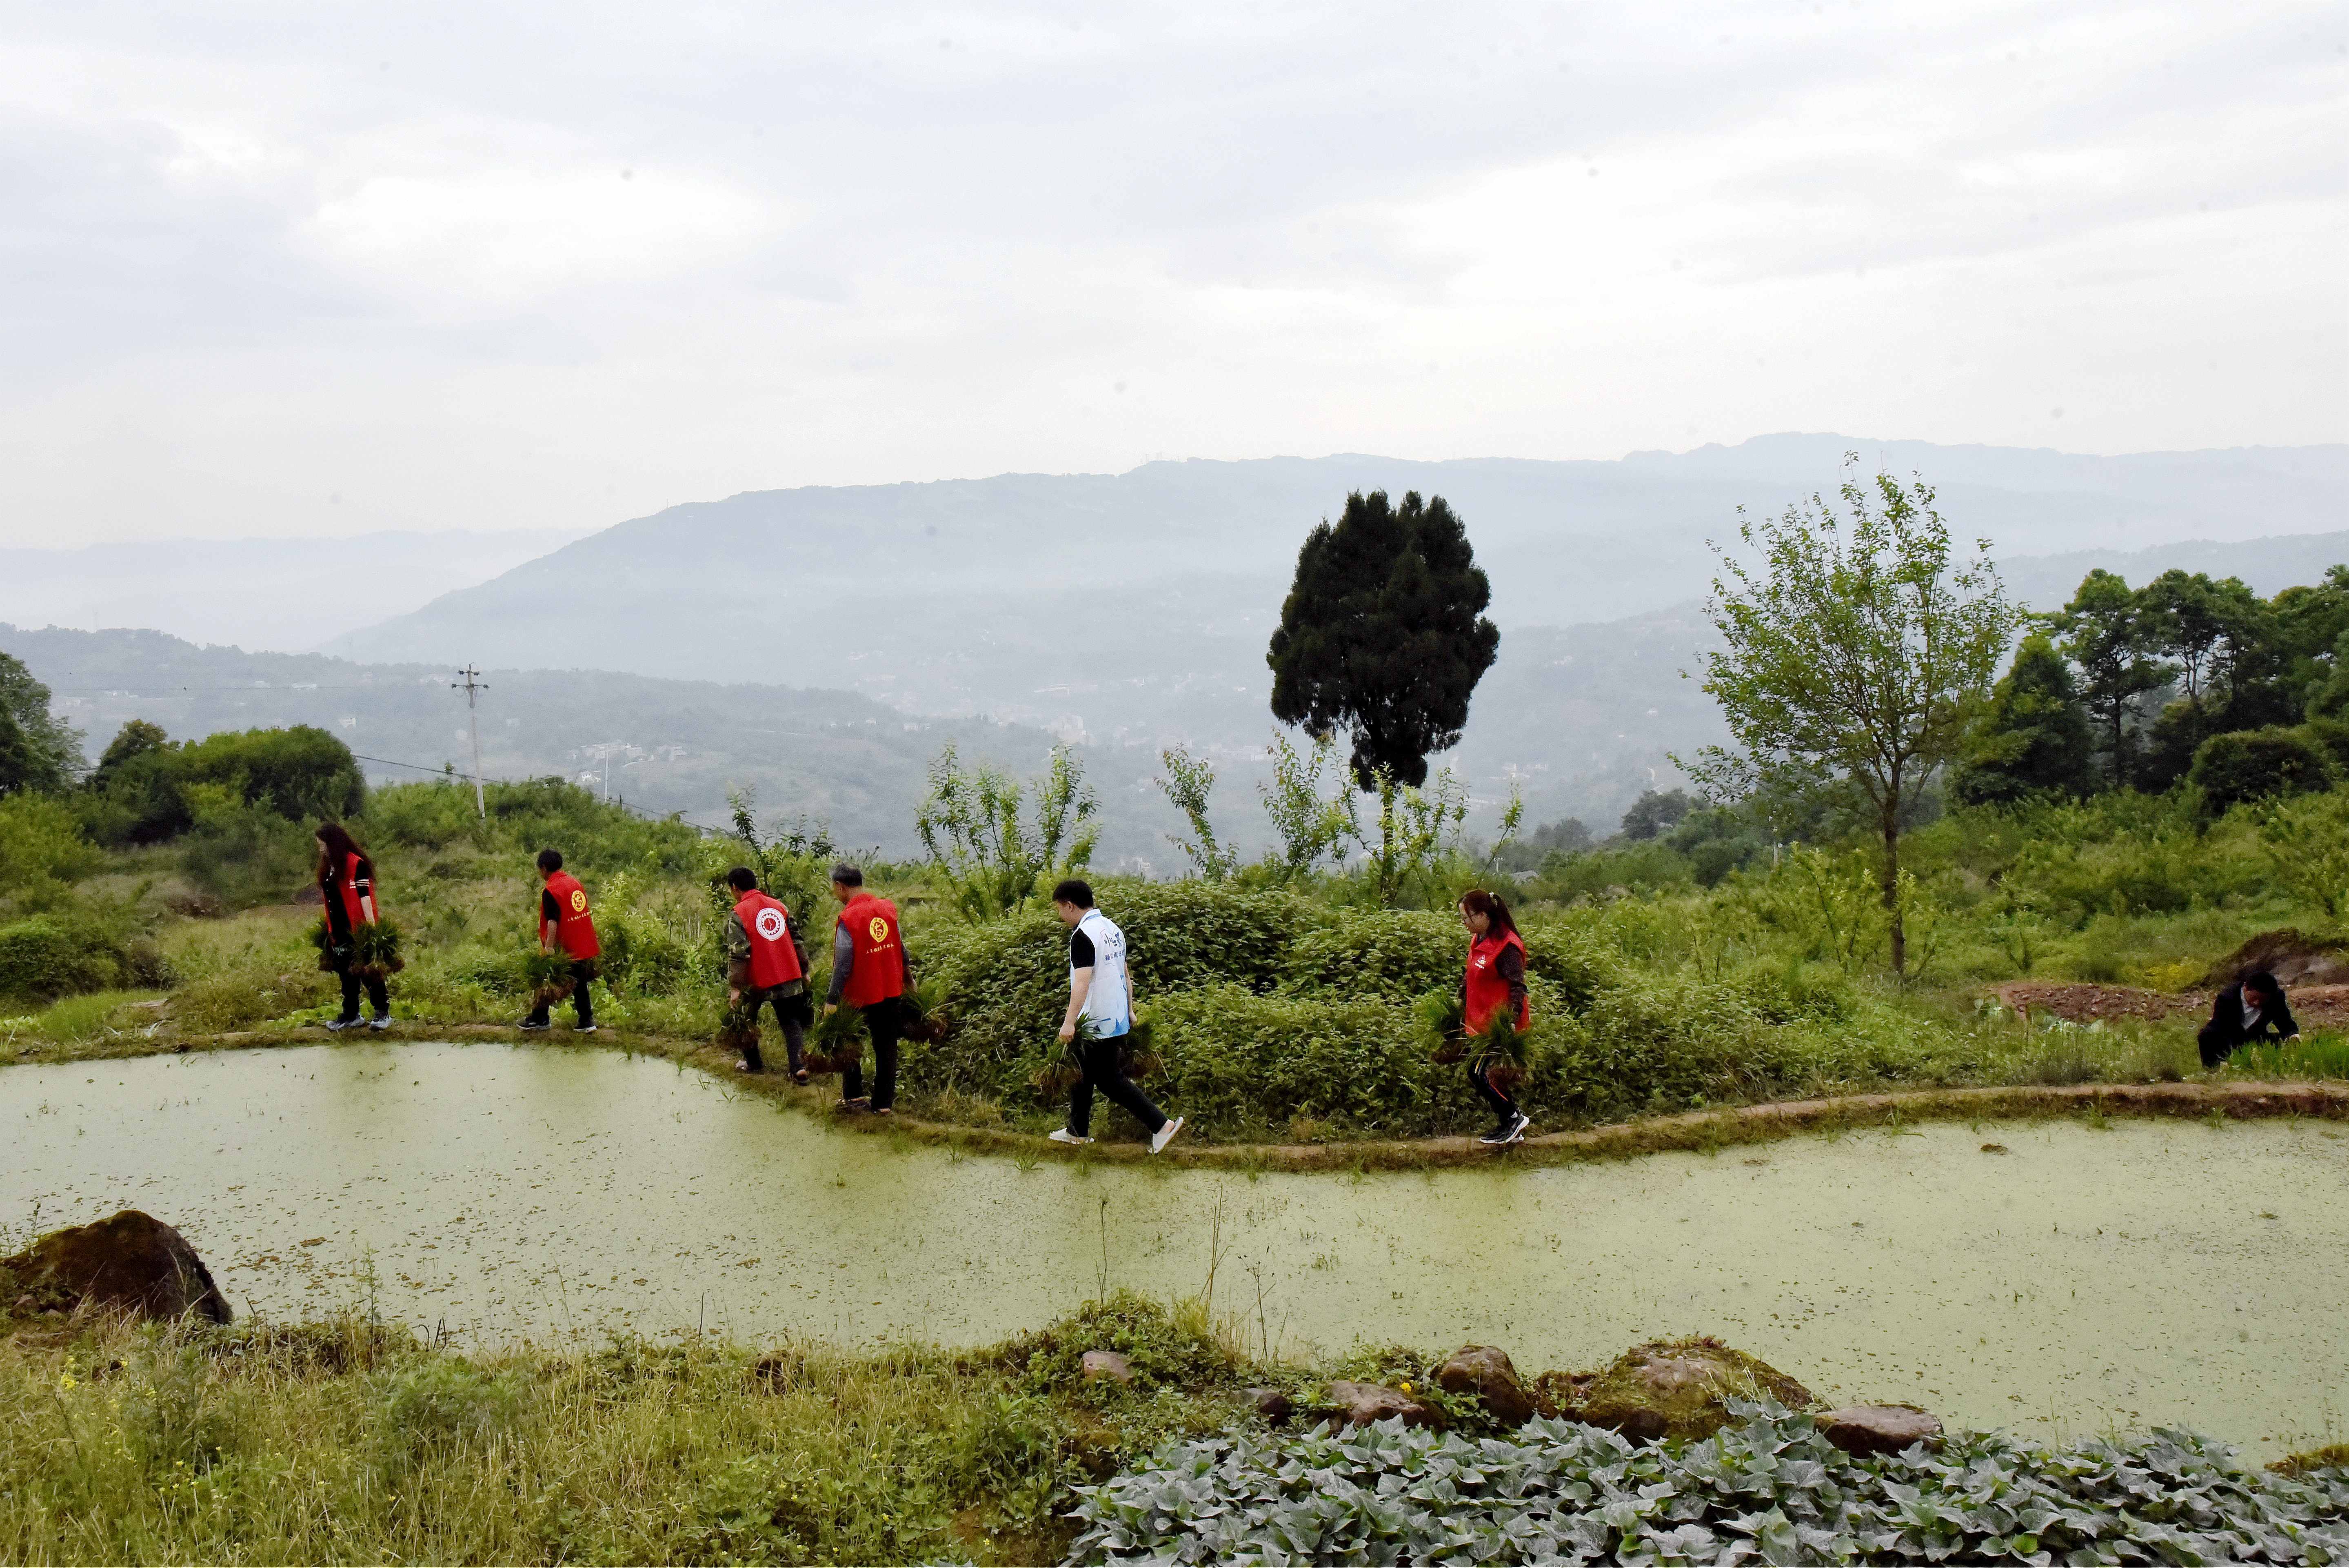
x=1768, y=1489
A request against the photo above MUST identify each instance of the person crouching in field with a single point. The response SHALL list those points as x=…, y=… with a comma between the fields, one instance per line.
x=766, y=961
x=565, y=926
x=346, y=888
x=2253, y=1008
x=868, y=971
x=1495, y=979
x=1101, y=992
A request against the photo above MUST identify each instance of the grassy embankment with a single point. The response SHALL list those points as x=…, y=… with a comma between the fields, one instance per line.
x=1283, y=1015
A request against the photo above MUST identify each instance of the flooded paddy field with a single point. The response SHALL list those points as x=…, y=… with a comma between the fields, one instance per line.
x=2150, y=1272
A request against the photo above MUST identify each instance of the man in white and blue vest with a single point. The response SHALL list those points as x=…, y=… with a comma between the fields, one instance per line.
x=1100, y=991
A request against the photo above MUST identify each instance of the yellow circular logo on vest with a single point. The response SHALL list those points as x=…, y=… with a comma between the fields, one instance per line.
x=879, y=929
x=579, y=900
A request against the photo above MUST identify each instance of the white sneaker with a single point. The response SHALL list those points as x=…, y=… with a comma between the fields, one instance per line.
x=1065, y=1136
x=1165, y=1135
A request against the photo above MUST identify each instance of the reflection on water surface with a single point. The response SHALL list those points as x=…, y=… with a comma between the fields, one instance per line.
x=2153, y=1272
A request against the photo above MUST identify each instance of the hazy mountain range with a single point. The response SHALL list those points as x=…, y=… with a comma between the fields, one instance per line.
x=284, y=594
x=1131, y=611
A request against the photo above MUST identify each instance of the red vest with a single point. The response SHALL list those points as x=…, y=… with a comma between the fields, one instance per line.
x=773, y=959
x=879, y=972
x=1488, y=993
x=359, y=911
x=574, y=929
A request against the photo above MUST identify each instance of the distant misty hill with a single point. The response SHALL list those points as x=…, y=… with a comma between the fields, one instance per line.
x=676, y=745
x=289, y=594
x=1134, y=609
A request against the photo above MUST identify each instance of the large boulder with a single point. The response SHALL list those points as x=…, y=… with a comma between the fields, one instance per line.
x=1880, y=1428
x=1485, y=1371
x=133, y=1262
x=1673, y=1388
x=1359, y=1404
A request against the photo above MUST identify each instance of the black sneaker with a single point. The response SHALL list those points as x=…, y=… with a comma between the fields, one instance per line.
x=339, y=1024
x=1509, y=1132
x=858, y=1104
x=529, y=1026
x=583, y=1029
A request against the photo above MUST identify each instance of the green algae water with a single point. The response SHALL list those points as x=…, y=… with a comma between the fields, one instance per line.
x=2156, y=1273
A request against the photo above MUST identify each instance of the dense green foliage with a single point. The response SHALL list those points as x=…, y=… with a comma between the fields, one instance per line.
x=1769, y=1489
x=2035, y=740
x=148, y=788
x=38, y=750
x=1384, y=634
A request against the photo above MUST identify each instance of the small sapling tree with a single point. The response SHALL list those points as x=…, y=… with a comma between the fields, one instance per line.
x=1311, y=824
x=1852, y=656
x=1188, y=782
x=1414, y=828
x=972, y=830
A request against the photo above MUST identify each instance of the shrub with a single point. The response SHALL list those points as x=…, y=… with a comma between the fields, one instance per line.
x=243, y=853
x=1392, y=954
x=2258, y=764
x=301, y=773
x=45, y=957
x=41, y=839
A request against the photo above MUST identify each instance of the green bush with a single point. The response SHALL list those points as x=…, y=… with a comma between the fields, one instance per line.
x=2258, y=764
x=41, y=840
x=244, y=853
x=1393, y=954
x=47, y=957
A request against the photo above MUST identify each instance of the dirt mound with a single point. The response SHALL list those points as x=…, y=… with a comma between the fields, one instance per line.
x=2293, y=957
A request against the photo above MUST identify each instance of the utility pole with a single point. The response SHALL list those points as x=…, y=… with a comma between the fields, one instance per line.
x=472, y=687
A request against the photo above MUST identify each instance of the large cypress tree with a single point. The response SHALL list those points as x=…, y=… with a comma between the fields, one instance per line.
x=1383, y=634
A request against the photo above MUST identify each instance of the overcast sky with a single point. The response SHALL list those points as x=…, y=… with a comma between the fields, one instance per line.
x=280, y=268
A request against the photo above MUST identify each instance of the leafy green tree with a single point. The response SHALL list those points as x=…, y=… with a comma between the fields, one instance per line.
x=2033, y=739
x=1311, y=824
x=2258, y=764
x=972, y=830
x=1384, y=634
x=1188, y=782
x=38, y=750
x=2106, y=634
x=1655, y=813
x=2218, y=634
x=133, y=740
x=1852, y=656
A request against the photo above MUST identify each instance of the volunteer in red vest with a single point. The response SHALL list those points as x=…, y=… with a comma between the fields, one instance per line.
x=1495, y=980
x=565, y=926
x=346, y=887
x=766, y=961
x=868, y=972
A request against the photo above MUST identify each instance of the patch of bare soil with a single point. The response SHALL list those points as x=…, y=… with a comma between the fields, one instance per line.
x=2315, y=1006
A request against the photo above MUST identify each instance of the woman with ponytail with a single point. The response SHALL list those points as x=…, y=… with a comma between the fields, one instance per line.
x=1494, y=981
x=347, y=886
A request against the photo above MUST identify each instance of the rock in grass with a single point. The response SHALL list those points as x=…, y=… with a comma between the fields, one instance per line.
x=131, y=1262
x=1679, y=1388
x=1880, y=1428
x=1273, y=1405
x=1359, y=1404
x=1485, y=1371
x=1106, y=1366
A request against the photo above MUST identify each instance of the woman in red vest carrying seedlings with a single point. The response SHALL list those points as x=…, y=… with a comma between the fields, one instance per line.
x=565, y=926
x=346, y=887
x=868, y=972
x=1494, y=981
x=766, y=961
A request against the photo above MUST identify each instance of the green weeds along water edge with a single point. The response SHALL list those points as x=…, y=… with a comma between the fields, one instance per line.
x=1769, y=1489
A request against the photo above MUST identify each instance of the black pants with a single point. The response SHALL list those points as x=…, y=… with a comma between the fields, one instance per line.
x=375, y=993
x=1105, y=1072
x=791, y=1016
x=1502, y=1104
x=882, y=1020
x=581, y=972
